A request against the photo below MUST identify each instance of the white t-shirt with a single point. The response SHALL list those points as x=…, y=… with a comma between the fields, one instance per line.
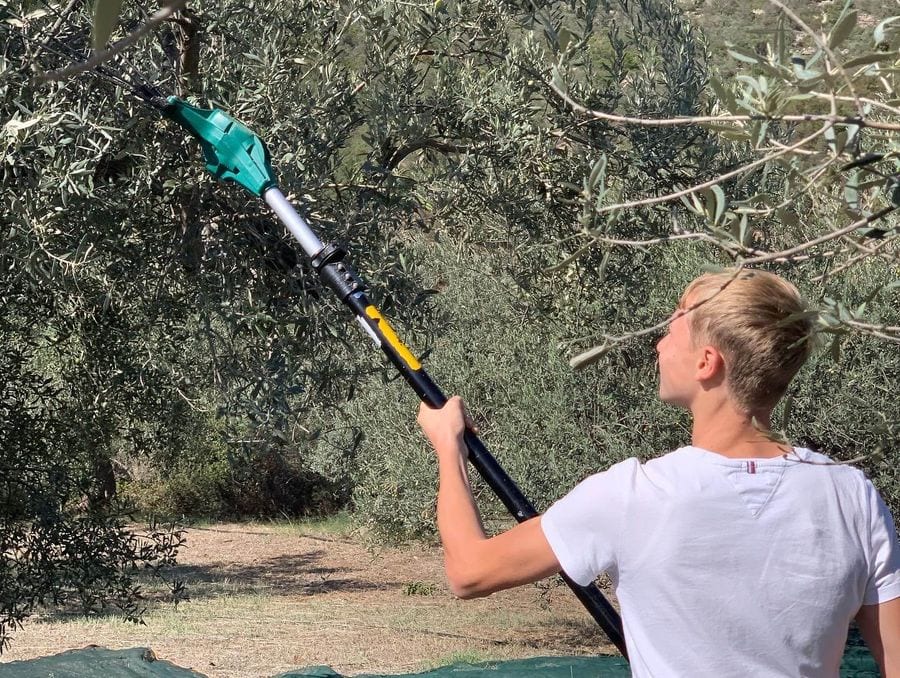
x=731, y=567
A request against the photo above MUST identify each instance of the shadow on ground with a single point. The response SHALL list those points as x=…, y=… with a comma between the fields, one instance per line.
x=566, y=636
x=300, y=574
x=288, y=574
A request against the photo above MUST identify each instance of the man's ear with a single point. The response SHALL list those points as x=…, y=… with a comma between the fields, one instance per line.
x=710, y=364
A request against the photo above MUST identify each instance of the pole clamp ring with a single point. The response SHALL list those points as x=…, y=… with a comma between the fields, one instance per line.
x=339, y=276
x=329, y=254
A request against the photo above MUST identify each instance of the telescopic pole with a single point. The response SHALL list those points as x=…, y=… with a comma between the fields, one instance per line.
x=233, y=153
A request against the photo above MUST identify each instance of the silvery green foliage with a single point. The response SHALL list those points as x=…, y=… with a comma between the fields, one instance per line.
x=56, y=550
x=171, y=299
x=425, y=136
x=811, y=125
x=831, y=201
x=812, y=196
x=138, y=303
x=500, y=210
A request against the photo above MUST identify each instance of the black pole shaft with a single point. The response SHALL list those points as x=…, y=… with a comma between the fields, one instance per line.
x=489, y=469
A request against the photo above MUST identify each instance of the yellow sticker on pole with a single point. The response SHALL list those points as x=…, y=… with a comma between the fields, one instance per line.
x=391, y=337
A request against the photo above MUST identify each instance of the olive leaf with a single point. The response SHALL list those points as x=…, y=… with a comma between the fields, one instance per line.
x=106, y=16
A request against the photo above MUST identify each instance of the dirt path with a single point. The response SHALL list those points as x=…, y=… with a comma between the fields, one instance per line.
x=266, y=599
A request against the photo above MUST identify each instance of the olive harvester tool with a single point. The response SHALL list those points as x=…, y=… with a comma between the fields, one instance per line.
x=233, y=153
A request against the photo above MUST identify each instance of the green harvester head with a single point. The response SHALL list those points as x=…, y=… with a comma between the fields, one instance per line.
x=232, y=152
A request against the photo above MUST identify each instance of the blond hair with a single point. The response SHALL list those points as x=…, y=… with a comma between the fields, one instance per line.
x=756, y=320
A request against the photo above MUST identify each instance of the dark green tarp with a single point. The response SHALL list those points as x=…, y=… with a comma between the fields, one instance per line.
x=857, y=663
x=97, y=662
x=537, y=667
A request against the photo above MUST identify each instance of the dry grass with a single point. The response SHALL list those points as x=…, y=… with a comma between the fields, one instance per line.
x=267, y=599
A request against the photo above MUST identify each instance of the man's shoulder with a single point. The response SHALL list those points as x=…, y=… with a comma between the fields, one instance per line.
x=691, y=466
x=638, y=466
x=816, y=463
x=674, y=461
x=634, y=474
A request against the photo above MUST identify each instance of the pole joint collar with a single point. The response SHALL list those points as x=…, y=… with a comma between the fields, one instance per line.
x=335, y=273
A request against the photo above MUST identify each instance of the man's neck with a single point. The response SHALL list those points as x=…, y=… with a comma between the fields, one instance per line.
x=719, y=427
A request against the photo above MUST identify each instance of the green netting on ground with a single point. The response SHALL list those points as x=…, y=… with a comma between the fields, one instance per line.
x=857, y=663
x=537, y=667
x=96, y=662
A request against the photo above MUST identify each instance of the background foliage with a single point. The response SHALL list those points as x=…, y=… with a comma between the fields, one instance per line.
x=160, y=331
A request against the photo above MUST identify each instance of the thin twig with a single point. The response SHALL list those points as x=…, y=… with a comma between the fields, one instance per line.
x=67, y=262
x=60, y=18
x=598, y=351
x=798, y=151
x=598, y=239
x=191, y=402
x=100, y=57
x=657, y=241
x=706, y=119
x=787, y=254
x=874, y=104
x=875, y=331
x=717, y=180
x=869, y=326
x=854, y=260
x=792, y=198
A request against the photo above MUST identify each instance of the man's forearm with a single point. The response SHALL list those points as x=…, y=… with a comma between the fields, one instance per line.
x=458, y=520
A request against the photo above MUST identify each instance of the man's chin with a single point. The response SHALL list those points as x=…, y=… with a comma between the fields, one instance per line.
x=671, y=399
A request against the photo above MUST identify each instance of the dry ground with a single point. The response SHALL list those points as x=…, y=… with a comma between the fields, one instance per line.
x=270, y=598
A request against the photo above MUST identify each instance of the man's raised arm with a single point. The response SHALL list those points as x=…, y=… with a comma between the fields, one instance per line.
x=477, y=565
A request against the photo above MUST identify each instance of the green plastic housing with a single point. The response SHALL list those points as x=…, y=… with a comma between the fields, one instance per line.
x=232, y=152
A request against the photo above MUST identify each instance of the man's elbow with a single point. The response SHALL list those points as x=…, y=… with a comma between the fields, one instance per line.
x=466, y=582
x=466, y=592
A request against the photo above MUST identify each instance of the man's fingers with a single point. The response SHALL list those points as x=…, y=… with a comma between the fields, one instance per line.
x=424, y=410
x=457, y=403
x=453, y=410
x=470, y=423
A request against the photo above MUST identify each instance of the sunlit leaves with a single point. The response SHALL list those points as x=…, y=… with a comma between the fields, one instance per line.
x=885, y=30
x=843, y=27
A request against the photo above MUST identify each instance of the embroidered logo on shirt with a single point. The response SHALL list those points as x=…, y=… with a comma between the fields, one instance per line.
x=755, y=480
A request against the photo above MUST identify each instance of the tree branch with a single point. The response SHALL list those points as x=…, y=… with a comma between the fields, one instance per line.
x=60, y=18
x=868, y=252
x=825, y=48
x=708, y=119
x=594, y=354
x=99, y=58
x=717, y=180
x=435, y=144
x=885, y=332
x=629, y=243
x=786, y=255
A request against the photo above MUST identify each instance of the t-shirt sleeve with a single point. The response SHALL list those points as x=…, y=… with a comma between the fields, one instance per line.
x=884, y=560
x=583, y=527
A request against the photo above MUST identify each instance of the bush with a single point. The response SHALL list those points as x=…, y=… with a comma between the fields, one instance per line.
x=548, y=426
x=223, y=480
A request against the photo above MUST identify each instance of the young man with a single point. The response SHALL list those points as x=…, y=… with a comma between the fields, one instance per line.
x=733, y=556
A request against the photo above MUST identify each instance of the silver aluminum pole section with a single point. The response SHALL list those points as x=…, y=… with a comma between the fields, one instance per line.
x=294, y=222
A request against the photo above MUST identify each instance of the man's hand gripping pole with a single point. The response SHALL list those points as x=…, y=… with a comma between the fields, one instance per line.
x=234, y=153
